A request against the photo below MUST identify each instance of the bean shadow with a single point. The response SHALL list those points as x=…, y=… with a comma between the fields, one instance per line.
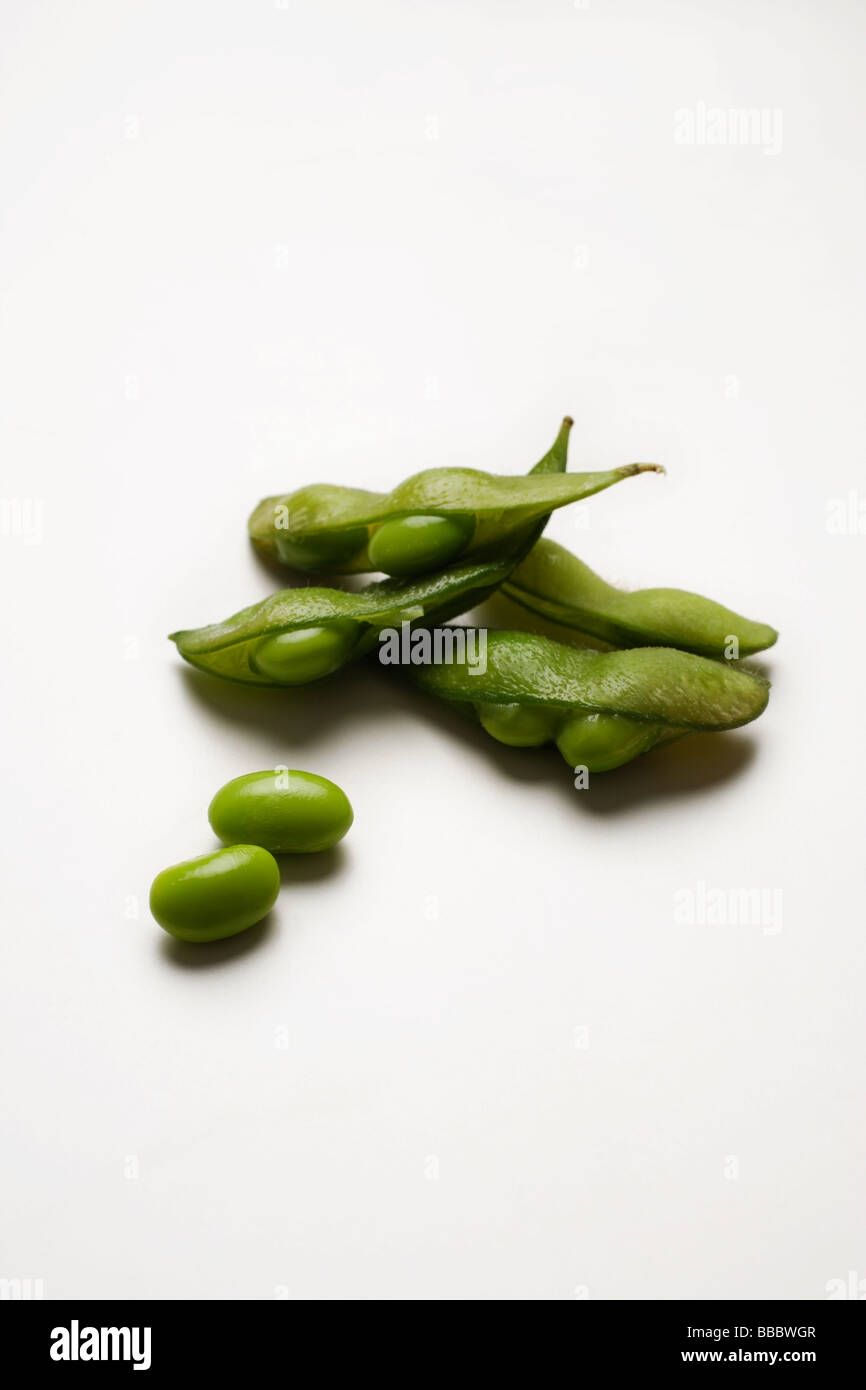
x=209, y=955
x=311, y=868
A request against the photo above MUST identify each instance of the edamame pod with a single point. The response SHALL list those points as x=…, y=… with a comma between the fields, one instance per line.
x=216, y=895
x=299, y=635
x=284, y=811
x=431, y=519
x=555, y=584
x=601, y=708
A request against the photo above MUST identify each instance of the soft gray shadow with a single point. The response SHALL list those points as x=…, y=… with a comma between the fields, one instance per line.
x=692, y=767
x=206, y=955
x=311, y=868
x=361, y=692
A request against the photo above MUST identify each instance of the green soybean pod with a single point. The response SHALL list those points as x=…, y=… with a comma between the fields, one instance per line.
x=216, y=895
x=284, y=811
x=561, y=588
x=601, y=709
x=429, y=520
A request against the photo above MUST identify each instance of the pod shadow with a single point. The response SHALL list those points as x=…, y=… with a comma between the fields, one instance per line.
x=695, y=766
x=359, y=693
x=691, y=767
x=207, y=955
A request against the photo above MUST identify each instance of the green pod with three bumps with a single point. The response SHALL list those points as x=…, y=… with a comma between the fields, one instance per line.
x=601, y=709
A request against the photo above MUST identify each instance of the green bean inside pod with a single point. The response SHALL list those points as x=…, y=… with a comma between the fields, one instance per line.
x=412, y=544
x=298, y=655
x=432, y=519
x=560, y=588
x=601, y=709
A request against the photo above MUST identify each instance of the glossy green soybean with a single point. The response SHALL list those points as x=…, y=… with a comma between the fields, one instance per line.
x=305, y=654
x=428, y=520
x=413, y=544
x=555, y=584
x=601, y=742
x=284, y=811
x=254, y=647
x=520, y=726
x=216, y=895
x=601, y=708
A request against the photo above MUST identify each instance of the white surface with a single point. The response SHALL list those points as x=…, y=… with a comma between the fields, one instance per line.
x=234, y=260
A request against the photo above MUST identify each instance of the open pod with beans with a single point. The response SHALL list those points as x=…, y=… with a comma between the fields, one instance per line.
x=429, y=521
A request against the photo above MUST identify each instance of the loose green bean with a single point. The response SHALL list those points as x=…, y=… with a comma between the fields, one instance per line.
x=284, y=811
x=555, y=584
x=216, y=895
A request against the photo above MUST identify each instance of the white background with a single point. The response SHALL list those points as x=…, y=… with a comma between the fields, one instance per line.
x=248, y=246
